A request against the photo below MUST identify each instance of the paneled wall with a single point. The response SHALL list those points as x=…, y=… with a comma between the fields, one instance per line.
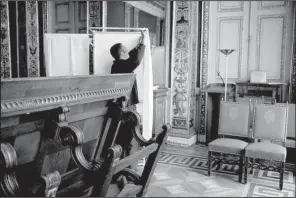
x=271, y=38
x=259, y=31
x=67, y=16
x=118, y=19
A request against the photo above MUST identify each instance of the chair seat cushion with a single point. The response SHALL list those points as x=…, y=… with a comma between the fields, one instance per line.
x=265, y=150
x=227, y=145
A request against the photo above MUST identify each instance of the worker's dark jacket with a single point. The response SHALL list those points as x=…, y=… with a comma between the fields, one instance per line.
x=128, y=66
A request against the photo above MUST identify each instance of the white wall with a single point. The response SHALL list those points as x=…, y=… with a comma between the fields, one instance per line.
x=259, y=31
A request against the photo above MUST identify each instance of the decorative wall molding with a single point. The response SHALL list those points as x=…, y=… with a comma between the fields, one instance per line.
x=32, y=32
x=204, y=68
x=260, y=20
x=148, y=7
x=136, y=17
x=239, y=21
x=271, y=4
x=222, y=8
x=5, y=42
x=127, y=16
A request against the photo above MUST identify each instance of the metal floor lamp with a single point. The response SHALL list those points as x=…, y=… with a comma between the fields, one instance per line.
x=226, y=52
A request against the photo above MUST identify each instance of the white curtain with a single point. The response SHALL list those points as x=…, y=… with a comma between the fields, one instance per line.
x=103, y=61
x=66, y=54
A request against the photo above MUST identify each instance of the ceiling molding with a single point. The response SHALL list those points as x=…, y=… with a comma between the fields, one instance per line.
x=150, y=7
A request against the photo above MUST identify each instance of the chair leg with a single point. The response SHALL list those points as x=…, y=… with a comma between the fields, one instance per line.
x=241, y=168
x=282, y=170
x=252, y=169
x=246, y=169
x=209, y=163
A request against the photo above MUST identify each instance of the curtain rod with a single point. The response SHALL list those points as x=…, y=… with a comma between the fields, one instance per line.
x=116, y=28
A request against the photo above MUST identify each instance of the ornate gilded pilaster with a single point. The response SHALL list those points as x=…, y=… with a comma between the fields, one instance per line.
x=204, y=69
x=127, y=16
x=5, y=42
x=183, y=76
x=32, y=39
x=136, y=17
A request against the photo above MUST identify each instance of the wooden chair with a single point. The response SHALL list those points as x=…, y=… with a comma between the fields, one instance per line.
x=120, y=181
x=269, y=129
x=233, y=125
x=291, y=135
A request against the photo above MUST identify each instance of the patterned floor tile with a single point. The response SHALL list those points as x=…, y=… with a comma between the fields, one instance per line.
x=183, y=173
x=263, y=190
x=289, y=178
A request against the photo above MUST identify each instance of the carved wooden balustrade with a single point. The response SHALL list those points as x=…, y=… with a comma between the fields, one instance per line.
x=51, y=126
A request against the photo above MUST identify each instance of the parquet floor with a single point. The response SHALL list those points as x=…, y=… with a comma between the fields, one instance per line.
x=181, y=172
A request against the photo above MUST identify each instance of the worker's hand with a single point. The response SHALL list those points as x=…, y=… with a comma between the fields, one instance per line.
x=143, y=33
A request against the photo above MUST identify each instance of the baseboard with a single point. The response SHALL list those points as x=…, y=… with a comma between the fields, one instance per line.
x=183, y=142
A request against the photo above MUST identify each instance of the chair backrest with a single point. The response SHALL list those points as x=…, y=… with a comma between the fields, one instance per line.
x=234, y=119
x=270, y=122
x=291, y=121
x=253, y=101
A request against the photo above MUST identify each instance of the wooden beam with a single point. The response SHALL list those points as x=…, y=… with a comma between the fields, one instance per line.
x=148, y=8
